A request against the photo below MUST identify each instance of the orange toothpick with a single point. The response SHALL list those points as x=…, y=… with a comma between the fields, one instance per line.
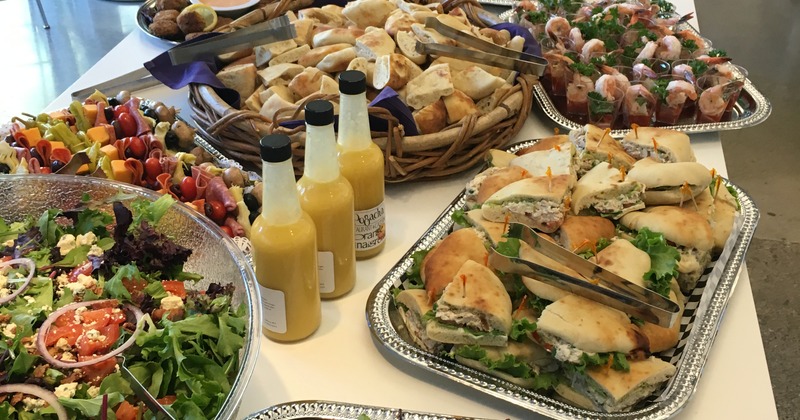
x=655, y=145
x=622, y=173
x=713, y=172
x=464, y=284
x=581, y=245
x=605, y=133
x=549, y=174
x=557, y=147
x=521, y=304
x=505, y=222
x=556, y=131
x=717, y=184
x=635, y=128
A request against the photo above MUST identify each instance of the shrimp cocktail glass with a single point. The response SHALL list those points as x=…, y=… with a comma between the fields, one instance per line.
x=715, y=92
x=672, y=94
x=638, y=106
x=604, y=105
x=579, y=86
x=558, y=65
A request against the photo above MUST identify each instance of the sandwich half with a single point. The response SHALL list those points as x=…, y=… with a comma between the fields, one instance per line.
x=605, y=389
x=486, y=183
x=413, y=305
x=444, y=260
x=593, y=146
x=688, y=230
x=537, y=202
x=666, y=183
x=604, y=191
x=557, y=160
x=475, y=308
x=662, y=144
x=581, y=233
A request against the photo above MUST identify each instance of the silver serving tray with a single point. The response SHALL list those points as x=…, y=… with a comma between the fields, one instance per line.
x=330, y=410
x=701, y=320
x=751, y=109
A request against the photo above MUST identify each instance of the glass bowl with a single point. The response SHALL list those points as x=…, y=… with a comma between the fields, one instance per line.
x=214, y=255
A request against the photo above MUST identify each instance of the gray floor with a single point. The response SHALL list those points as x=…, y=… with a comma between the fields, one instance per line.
x=762, y=36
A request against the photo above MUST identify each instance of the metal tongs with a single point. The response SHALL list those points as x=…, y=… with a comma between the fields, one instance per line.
x=142, y=393
x=487, y=52
x=615, y=291
x=273, y=30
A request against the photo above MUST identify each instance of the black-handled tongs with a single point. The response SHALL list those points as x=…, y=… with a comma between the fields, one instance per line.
x=485, y=52
x=615, y=291
x=273, y=30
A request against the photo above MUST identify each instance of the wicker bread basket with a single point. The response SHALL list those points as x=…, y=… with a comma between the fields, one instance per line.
x=456, y=148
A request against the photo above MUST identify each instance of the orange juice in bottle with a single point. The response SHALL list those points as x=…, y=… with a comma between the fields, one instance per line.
x=362, y=163
x=285, y=249
x=328, y=198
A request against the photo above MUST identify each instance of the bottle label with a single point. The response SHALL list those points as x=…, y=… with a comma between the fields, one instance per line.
x=273, y=308
x=370, y=227
x=327, y=282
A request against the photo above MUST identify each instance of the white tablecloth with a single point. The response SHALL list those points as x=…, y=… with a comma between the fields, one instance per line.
x=341, y=362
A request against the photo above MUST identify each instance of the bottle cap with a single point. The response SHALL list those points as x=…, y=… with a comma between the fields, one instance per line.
x=276, y=148
x=352, y=82
x=319, y=113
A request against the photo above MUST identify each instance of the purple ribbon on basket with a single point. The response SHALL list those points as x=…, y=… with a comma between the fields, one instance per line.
x=202, y=72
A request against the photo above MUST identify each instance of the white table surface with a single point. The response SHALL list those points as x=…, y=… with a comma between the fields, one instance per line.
x=341, y=362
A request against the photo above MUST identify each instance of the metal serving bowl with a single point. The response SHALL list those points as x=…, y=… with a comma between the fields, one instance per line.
x=214, y=255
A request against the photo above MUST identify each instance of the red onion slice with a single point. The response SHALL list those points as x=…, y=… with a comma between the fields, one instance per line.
x=39, y=392
x=40, y=338
x=27, y=282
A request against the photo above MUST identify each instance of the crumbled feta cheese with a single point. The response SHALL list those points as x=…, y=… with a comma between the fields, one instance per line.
x=79, y=314
x=10, y=330
x=95, y=251
x=29, y=299
x=66, y=244
x=33, y=404
x=93, y=391
x=4, y=292
x=3, y=280
x=171, y=302
x=67, y=357
x=62, y=344
x=9, y=242
x=66, y=390
x=75, y=287
x=87, y=281
x=92, y=334
x=62, y=279
x=86, y=239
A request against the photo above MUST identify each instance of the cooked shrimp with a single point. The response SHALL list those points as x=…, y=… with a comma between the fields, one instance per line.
x=632, y=102
x=723, y=70
x=592, y=47
x=606, y=85
x=557, y=27
x=713, y=100
x=648, y=51
x=621, y=79
x=678, y=91
x=578, y=90
x=684, y=71
x=528, y=5
x=669, y=48
x=642, y=71
x=627, y=9
x=688, y=35
x=712, y=60
x=577, y=39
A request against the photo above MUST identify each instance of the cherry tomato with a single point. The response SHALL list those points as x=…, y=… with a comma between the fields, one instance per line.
x=127, y=411
x=176, y=287
x=152, y=168
x=120, y=109
x=137, y=149
x=69, y=332
x=215, y=211
x=94, y=374
x=227, y=230
x=127, y=124
x=188, y=189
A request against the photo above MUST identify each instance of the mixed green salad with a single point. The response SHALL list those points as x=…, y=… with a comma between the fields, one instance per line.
x=80, y=288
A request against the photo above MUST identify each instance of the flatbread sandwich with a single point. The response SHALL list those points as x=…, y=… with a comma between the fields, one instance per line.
x=581, y=233
x=662, y=144
x=444, y=260
x=670, y=183
x=486, y=183
x=557, y=161
x=605, y=191
x=594, y=145
x=474, y=309
x=413, y=305
x=537, y=202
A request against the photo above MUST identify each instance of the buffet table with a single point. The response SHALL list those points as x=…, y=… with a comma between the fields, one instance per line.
x=341, y=362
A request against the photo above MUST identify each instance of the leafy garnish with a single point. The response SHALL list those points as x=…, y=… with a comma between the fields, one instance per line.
x=689, y=44
x=717, y=53
x=459, y=217
x=664, y=260
x=599, y=105
x=413, y=274
x=520, y=328
x=508, y=247
x=584, y=69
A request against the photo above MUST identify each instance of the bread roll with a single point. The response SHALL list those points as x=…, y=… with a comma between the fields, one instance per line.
x=280, y=74
x=253, y=101
x=428, y=87
x=430, y=35
x=460, y=24
x=328, y=86
x=476, y=82
x=407, y=43
x=241, y=78
x=374, y=43
x=364, y=66
x=338, y=61
x=322, y=16
x=307, y=82
x=336, y=36
x=490, y=102
x=273, y=104
x=303, y=28
x=394, y=70
x=398, y=21
x=458, y=105
x=432, y=118
x=366, y=13
x=501, y=37
x=282, y=90
x=291, y=56
x=265, y=53
x=317, y=54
